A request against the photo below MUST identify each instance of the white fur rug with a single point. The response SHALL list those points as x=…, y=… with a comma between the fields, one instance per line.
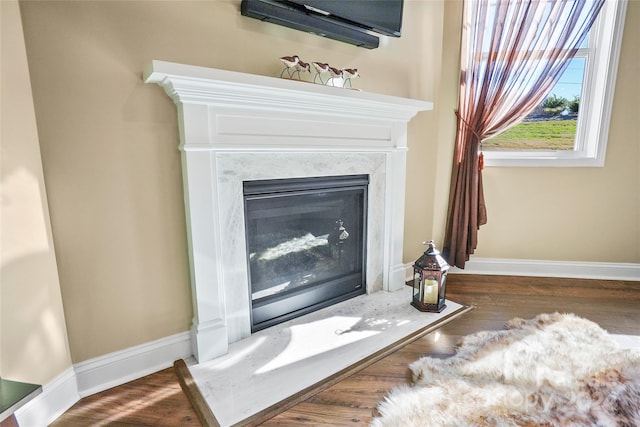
x=553, y=370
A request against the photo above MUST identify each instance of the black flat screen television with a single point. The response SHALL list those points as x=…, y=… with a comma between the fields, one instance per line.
x=349, y=21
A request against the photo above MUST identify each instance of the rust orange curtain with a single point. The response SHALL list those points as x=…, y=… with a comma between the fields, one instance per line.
x=513, y=53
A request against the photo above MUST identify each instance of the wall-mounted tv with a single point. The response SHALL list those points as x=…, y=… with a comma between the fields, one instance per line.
x=349, y=21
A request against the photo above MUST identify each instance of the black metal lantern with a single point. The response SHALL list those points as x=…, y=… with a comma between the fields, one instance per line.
x=429, y=280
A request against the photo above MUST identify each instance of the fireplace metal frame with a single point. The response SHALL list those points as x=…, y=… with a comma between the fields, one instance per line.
x=297, y=303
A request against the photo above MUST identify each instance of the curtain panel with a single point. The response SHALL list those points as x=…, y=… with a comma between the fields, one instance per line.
x=512, y=54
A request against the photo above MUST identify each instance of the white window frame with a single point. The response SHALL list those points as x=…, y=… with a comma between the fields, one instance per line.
x=598, y=84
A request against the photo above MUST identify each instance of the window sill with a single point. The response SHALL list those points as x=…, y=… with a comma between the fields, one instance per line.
x=541, y=159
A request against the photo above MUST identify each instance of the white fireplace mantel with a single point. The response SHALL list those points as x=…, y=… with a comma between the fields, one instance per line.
x=236, y=127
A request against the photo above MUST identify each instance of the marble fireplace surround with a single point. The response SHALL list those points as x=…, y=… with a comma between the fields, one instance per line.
x=236, y=127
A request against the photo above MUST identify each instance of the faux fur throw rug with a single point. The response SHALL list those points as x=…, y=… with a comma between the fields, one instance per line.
x=553, y=370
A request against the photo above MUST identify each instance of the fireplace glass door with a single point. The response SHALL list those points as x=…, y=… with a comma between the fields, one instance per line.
x=306, y=242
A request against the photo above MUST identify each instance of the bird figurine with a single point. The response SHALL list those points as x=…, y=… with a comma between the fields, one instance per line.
x=335, y=74
x=321, y=68
x=290, y=63
x=348, y=74
x=302, y=66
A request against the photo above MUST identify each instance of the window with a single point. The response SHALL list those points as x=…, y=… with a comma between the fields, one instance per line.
x=570, y=139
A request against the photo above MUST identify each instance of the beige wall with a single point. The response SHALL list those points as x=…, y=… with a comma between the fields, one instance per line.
x=33, y=338
x=109, y=147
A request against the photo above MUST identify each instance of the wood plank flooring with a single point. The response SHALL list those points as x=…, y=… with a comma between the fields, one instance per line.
x=154, y=400
x=157, y=400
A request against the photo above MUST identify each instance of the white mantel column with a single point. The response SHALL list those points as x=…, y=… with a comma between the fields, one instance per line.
x=209, y=334
x=394, y=211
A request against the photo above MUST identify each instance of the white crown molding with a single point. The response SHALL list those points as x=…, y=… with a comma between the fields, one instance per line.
x=542, y=268
x=101, y=373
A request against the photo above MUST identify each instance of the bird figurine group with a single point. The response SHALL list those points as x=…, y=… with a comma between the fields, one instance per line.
x=293, y=66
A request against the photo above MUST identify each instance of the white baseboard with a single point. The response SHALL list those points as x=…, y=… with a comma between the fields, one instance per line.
x=57, y=396
x=114, y=369
x=101, y=373
x=541, y=268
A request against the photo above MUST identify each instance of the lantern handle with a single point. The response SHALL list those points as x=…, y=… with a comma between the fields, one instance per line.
x=431, y=248
x=430, y=245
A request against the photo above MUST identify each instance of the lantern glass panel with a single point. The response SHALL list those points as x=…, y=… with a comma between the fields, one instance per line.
x=443, y=289
x=417, y=281
x=430, y=288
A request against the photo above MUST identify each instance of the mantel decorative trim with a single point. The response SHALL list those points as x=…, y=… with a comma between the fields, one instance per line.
x=229, y=89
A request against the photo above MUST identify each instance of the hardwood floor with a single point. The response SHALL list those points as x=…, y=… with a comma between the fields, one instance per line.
x=157, y=400
x=154, y=400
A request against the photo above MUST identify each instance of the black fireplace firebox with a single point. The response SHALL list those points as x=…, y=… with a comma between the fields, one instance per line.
x=306, y=244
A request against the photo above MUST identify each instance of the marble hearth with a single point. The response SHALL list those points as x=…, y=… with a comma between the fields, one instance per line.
x=236, y=127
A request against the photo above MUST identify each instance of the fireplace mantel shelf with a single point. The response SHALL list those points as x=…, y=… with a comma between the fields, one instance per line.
x=237, y=127
x=188, y=83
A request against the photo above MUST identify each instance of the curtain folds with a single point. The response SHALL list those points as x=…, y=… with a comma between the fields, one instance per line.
x=513, y=52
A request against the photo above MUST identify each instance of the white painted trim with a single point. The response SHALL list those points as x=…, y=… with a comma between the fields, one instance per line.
x=113, y=369
x=234, y=91
x=542, y=268
x=209, y=339
x=100, y=373
x=57, y=396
